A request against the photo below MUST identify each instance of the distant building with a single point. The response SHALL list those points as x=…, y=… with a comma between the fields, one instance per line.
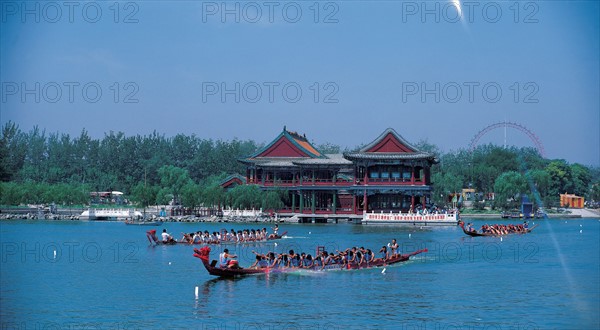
x=572, y=201
x=232, y=181
x=388, y=174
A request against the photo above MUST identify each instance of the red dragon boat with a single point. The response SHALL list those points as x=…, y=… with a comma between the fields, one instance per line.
x=476, y=234
x=152, y=238
x=204, y=255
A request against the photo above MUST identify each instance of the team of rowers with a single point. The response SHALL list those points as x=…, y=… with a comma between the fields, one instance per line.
x=499, y=229
x=199, y=237
x=354, y=256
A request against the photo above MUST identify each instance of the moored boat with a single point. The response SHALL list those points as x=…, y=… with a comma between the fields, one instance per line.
x=143, y=223
x=211, y=266
x=412, y=219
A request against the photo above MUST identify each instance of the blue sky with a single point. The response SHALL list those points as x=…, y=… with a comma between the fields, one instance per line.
x=370, y=62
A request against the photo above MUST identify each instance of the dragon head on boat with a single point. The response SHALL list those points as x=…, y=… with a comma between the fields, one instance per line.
x=202, y=253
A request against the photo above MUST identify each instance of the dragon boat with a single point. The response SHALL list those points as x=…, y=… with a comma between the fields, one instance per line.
x=476, y=233
x=153, y=239
x=213, y=269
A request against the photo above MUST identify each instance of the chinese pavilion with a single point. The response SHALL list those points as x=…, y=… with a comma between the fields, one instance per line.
x=388, y=174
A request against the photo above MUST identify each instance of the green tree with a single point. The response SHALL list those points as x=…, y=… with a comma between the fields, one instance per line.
x=245, y=197
x=581, y=179
x=541, y=180
x=444, y=185
x=271, y=200
x=191, y=195
x=560, y=178
x=13, y=149
x=213, y=195
x=174, y=179
x=508, y=188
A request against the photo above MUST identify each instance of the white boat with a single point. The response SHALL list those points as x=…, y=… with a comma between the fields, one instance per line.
x=412, y=219
x=110, y=214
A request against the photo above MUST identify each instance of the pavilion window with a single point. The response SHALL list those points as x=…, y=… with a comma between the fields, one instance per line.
x=406, y=175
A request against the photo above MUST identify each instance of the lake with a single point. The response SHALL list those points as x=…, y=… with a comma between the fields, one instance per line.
x=104, y=275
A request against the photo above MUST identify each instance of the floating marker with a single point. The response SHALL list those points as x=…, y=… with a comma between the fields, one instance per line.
x=500, y=239
x=196, y=292
x=408, y=235
x=581, y=231
x=580, y=225
x=309, y=232
x=383, y=271
x=169, y=263
x=275, y=244
x=54, y=254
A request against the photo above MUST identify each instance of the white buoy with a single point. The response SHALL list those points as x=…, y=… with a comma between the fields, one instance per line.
x=581, y=231
x=196, y=292
x=580, y=225
x=309, y=232
x=409, y=235
x=500, y=239
x=54, y=254
x=275, y=244
x=383, y=271
x=169, y=263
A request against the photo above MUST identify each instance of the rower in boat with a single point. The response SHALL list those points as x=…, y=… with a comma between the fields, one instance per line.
x=166, y=237
x=351, y=257
x=197, y=238
x=369, y=257
x=469, y=227
x=226, y=260
x=383, y=252
x=293, y=259
x=394, y=247
x=358, y=256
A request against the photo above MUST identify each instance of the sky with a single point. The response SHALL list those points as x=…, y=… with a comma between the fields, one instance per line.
x=340, y=72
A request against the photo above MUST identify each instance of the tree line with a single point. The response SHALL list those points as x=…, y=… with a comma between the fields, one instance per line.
x=41, y=168
x=510, y=173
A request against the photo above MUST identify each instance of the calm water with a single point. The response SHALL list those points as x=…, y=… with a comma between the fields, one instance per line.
x=105, y=276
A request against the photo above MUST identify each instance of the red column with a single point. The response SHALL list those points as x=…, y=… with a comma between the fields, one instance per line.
x=366, y=205
x=412, y=202
x=354, y=204
x=366, y=177
x=412, y=176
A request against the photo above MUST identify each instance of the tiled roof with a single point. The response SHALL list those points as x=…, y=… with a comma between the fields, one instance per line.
x=389, y=156
x=231, y=177
x=294, y=139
